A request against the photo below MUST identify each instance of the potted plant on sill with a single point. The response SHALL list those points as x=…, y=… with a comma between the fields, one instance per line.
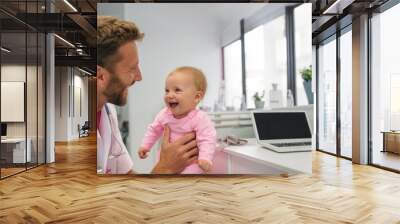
x=306, y=74
x=259, y=100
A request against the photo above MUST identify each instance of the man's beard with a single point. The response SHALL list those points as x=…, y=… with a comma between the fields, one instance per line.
x=115, y=91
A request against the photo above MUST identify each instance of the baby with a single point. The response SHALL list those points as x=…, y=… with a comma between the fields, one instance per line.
x=184, y=89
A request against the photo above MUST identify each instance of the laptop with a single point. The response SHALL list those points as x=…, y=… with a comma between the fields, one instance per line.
x=282, y=131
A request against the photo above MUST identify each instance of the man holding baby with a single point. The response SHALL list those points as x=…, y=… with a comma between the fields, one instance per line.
x=117, y=70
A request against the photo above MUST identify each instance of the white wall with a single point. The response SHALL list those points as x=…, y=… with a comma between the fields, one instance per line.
x=81, y=82
x=66, y=121
x=61, y=104
x=111, y=9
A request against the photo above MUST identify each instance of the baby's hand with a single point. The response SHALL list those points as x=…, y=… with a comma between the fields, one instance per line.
x=205, y=165
x=142, y=152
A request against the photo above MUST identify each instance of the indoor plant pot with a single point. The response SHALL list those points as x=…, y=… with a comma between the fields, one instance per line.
x=258, y=100
x=306, y=74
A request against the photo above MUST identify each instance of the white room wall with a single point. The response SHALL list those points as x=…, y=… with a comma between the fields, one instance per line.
x=82, y=83
x=111, y=9
x=66, y=121
x=61, y=104
x=174, y=36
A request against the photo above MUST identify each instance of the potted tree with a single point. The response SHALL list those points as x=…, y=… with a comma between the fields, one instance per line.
x=259, y=100
x=306, y=74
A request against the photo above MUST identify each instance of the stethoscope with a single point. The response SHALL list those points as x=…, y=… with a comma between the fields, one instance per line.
x=114, y=154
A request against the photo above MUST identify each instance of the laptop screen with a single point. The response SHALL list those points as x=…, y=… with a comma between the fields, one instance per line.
x=282, y=125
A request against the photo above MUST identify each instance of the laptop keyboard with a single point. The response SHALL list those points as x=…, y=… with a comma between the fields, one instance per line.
x=291, y=144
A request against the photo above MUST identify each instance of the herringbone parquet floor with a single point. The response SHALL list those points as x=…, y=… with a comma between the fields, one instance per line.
x=69, y=191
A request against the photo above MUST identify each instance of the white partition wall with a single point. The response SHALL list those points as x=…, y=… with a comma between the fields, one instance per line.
x=71, y=102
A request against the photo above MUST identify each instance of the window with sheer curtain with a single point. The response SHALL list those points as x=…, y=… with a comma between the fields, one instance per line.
x=303, y=51
x=233, y=75
x=266, y=63
x=346, y=93
x=327, y=95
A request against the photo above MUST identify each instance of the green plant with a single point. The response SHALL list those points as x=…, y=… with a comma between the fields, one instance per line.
x=257, y=97
x=306, y=73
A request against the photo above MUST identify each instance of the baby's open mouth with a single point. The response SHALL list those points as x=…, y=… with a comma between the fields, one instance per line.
x=173, y=104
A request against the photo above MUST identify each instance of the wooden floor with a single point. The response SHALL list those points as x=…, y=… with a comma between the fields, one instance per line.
x=10, y=171
x=69, y=191
x=388, y=159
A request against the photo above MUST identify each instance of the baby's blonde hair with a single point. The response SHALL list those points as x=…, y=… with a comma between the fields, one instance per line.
x=199, y=78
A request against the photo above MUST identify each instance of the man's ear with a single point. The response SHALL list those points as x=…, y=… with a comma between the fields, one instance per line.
x=100, y=73
x=101, y=77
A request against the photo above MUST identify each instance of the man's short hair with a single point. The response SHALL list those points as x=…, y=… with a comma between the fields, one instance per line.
x=111, y=34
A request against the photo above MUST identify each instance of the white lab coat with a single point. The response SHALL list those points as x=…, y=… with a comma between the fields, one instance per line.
x=112, y=155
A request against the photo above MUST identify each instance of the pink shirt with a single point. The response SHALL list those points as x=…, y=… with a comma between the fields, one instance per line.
x=196, y=121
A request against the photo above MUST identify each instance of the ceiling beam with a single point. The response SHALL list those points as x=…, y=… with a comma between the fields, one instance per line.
x=84, y=24
x=82, y=61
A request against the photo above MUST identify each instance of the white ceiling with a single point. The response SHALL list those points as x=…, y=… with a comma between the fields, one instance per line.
x=222, y=13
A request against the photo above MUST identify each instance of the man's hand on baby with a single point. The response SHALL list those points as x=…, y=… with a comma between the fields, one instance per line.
x=142, y=153
x=204, y=165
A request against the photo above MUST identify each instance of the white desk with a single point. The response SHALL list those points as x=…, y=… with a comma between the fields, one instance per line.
x=254, y=159
x=18, y=150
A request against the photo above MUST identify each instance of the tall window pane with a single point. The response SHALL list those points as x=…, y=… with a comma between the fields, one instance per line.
x=302, y=38
x=265, y=49
x=386, y=89
x=346, y=94
x=327, y=96
x=233, y=75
